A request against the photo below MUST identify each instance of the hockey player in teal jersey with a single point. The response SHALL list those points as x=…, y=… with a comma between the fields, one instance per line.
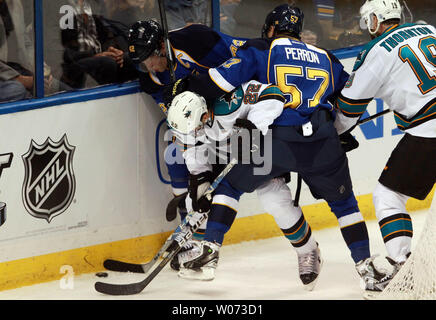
x=211, y=134
x=304, y=138
x=398, y=66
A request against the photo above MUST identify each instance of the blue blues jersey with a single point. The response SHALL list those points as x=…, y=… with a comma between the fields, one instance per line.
x=309, y=77
x=196, y=48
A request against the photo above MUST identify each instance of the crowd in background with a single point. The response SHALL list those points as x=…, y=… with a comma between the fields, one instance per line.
x=92, y=51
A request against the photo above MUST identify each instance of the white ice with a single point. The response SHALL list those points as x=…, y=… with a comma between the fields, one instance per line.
x=255, y=270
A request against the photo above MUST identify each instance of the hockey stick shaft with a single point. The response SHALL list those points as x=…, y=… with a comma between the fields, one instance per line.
x=382, y=113
x=163, y=18
x=172, y=246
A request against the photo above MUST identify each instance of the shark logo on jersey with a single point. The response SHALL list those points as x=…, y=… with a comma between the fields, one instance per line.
x=49, y=183
x=232, y=99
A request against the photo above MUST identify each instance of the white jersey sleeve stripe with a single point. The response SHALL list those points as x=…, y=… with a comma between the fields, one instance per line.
x=219, y=80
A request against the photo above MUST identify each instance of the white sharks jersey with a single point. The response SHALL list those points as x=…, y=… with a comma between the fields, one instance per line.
x=257, y=102
x=398, y=67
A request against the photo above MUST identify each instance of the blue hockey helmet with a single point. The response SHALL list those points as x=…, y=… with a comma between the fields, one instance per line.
x=285, y=18
x=145, y=38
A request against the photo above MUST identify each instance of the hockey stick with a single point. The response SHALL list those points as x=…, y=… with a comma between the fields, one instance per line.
x=120, y=266
x=171, y=247
x=297, y=193
x=163, y=19
x=373, y=117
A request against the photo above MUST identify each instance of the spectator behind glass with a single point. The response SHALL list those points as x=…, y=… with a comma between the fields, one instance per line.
x=96, y=46
x=420, y=11
x=13, y=86
x=227, y=11
x=183, y=12
x=130, y=11
x=339, y=23
x=17, y=54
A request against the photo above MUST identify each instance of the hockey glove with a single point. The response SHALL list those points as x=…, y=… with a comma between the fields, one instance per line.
x=348, y=142
x=173, y=89
x=198, y=184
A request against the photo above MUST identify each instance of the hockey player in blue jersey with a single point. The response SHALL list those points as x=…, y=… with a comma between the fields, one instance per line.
x=304, y=138
x=195, y=49
x=211, y=133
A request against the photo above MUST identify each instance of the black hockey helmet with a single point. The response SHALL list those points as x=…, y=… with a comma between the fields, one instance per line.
x=145, y=38
x=285, y=18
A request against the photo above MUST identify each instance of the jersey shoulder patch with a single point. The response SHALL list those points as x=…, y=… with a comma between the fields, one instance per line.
x=228, y=103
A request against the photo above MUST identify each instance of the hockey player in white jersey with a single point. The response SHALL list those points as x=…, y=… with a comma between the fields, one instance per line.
x=208, y=132
x=398, y=66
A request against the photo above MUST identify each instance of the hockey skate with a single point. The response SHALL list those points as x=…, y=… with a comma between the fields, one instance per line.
x=202, y=265
x=190, y=250
x=372, y=279
x=309, y=267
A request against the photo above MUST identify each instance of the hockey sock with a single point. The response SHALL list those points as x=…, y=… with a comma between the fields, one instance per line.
x=300, y=236
x=394, y=221
x=276, y=199
x=221, y=218
x=353, y=227
x=222, y=213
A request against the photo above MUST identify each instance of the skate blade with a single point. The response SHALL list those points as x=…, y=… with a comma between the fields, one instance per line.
x=311, y=286
x=371, y=295
x=205, y=274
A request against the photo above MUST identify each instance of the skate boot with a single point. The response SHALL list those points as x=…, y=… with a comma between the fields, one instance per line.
x=189, y=251
x=373, y=280
x=203, y=265
x=309, y=267
x=396, y=266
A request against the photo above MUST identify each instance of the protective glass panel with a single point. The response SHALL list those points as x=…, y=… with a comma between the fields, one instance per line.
x=85, y=41
x=330, y=24
x=16, y=50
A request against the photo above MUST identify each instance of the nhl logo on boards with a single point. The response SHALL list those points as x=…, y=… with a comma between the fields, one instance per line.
x=49, y=183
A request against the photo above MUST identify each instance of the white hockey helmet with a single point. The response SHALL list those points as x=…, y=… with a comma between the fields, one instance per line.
x=185, y=115
x=382, y=9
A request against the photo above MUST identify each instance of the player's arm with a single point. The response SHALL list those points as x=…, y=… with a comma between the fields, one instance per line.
x=151, y=85
x=225, y=78
x=359, y=90
x=265, y=106
x=197, y=158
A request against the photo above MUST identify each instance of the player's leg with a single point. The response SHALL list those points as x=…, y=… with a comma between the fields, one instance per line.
x=179, y=176
x=334, y=185
x=202, y=265
x=276, y=198
x=409, y=172
x=178, y=172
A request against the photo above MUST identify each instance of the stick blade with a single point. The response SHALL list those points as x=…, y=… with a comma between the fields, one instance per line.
x=120, y=266
x=119, y=289
x=171, y=212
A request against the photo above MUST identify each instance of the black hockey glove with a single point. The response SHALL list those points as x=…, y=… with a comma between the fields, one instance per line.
x=198, y=184
x=245, y=123
x=348, y=142
x=173, y=89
